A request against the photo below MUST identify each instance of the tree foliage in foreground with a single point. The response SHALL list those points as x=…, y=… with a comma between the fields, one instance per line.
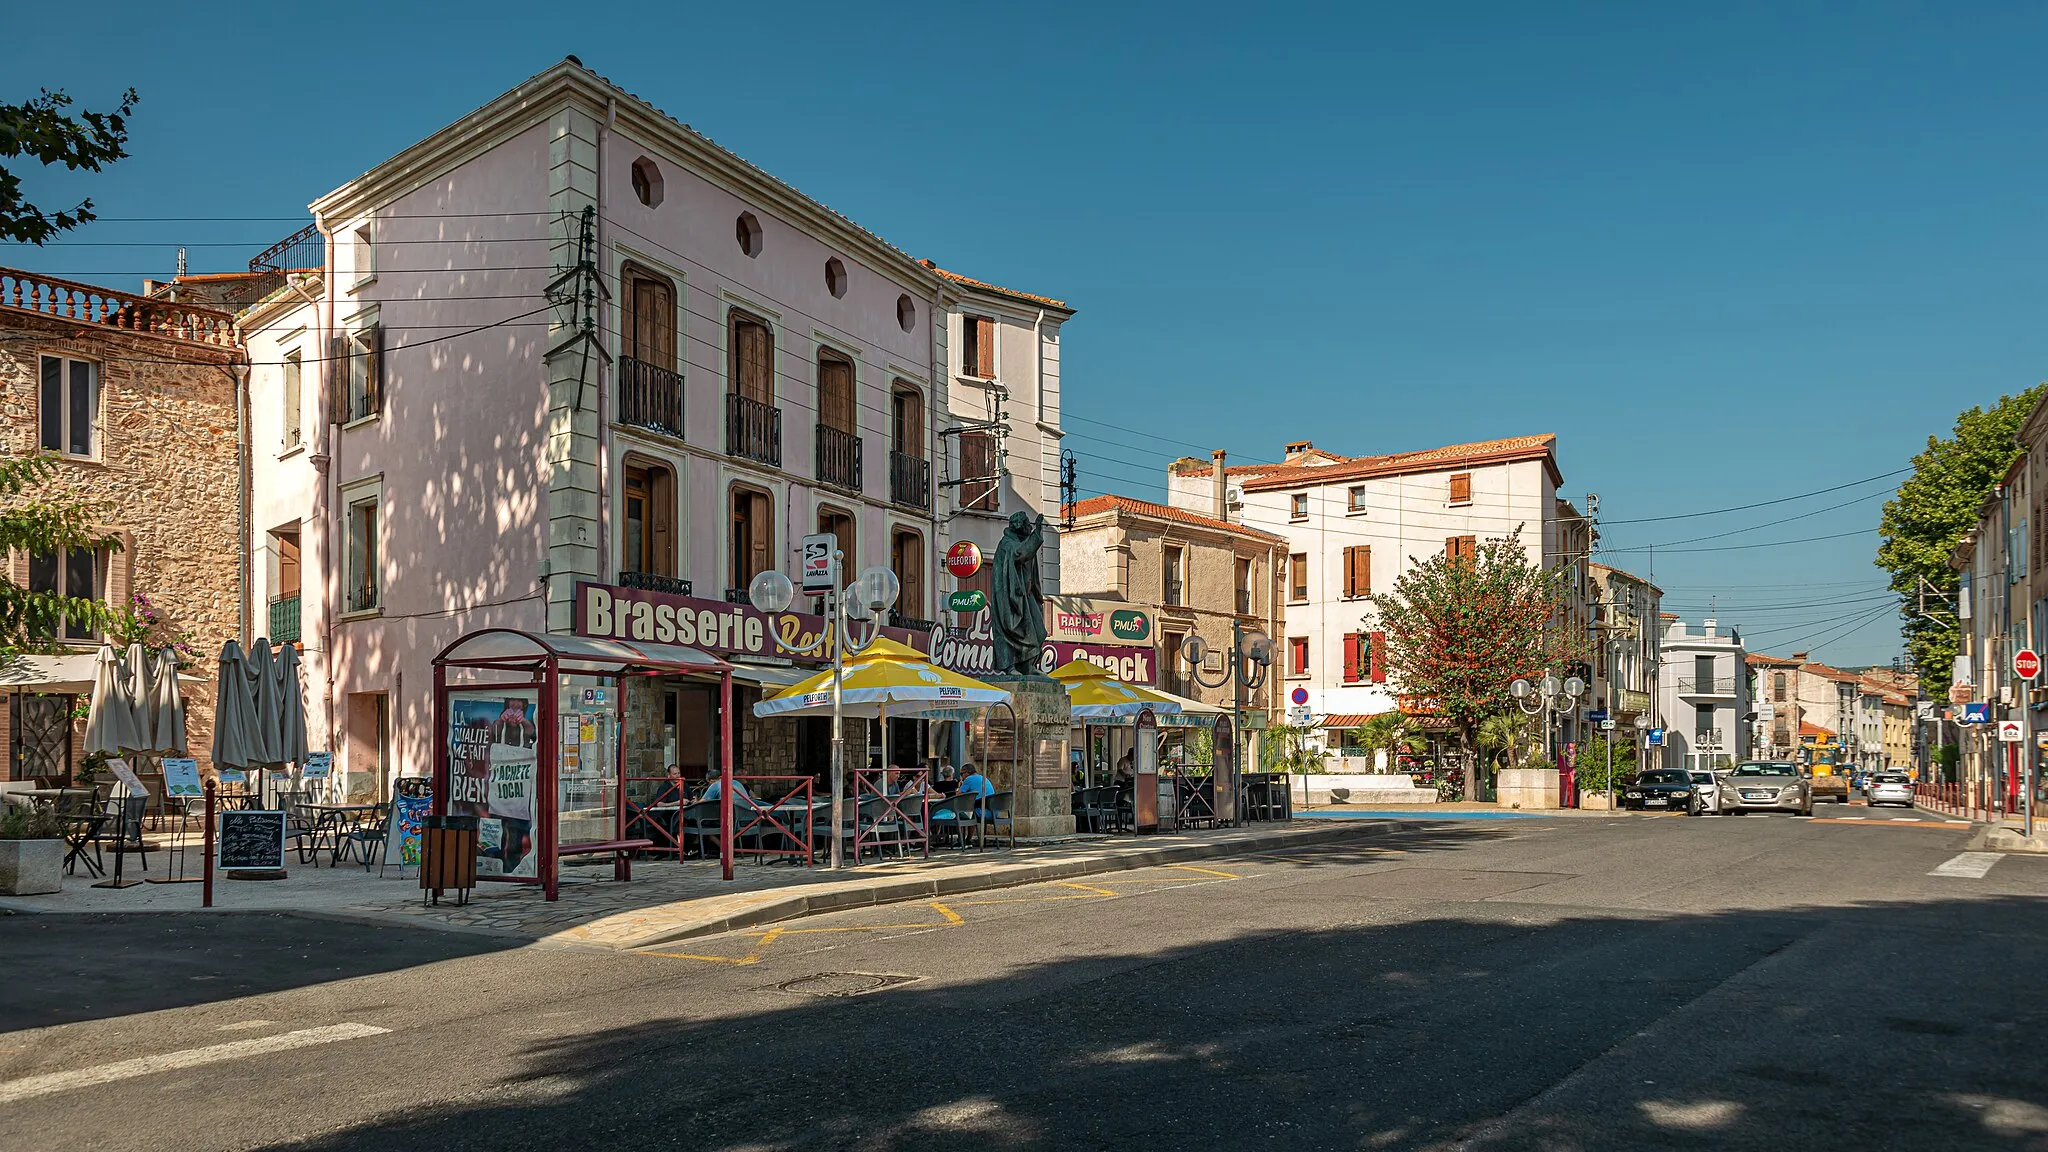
x=42, y=526
x=42, y=129
x=1940, y=502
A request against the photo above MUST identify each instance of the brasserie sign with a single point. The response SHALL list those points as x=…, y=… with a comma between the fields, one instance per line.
x=716, y=626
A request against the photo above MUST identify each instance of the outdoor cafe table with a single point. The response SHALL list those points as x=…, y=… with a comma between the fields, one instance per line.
x=334, y=822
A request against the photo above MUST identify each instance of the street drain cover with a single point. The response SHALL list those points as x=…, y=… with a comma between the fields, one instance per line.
x=842, y=983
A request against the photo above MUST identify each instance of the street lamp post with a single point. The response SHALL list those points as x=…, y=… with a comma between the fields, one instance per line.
x=1643, y=725
x=865, y=599
x=1251, y=658
x=1545, y=698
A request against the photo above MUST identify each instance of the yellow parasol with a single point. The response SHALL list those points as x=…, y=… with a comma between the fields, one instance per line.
x=884, y=677
x=1095, y=694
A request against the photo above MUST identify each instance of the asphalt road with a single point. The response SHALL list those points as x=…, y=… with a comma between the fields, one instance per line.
x=1661, y=982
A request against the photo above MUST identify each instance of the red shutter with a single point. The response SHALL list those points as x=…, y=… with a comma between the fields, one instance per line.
x=1351, y=658
x=1377, y=654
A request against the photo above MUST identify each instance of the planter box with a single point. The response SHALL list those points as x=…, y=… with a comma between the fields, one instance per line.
x=1360, y=788
x=1593, y=803
x=31, y=867
x=1527, y=788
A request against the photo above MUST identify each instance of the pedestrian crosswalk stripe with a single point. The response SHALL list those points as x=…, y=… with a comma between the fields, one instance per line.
x=1970, y=865
x=32, y=1086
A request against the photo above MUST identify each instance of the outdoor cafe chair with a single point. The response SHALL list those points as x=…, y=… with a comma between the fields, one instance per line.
x=357, y=839
x=700, y=820
x=995, y=811
x=82, y=832
x=956, y=815
x=302, y=828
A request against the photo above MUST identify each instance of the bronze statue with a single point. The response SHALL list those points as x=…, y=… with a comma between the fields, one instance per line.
x=1017, y=610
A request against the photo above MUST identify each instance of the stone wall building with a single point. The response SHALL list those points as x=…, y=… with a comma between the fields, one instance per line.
x=136, y=401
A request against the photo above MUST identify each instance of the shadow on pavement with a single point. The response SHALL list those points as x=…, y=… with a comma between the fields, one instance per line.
x=63, y=969
x=1781, y=1029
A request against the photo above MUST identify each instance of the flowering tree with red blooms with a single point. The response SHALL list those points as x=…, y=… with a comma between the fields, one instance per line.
x=1460, y=629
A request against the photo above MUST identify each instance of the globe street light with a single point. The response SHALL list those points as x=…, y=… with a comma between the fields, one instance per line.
x=1545, y=697
x=1249, y=662
x=865, y=599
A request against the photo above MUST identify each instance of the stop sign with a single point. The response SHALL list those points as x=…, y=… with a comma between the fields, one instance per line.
x=2025, y=664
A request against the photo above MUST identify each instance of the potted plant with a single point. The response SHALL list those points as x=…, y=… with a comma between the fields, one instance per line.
x=31, y=851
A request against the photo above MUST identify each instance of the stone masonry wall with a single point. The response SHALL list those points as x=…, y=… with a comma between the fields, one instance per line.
x=165, y=479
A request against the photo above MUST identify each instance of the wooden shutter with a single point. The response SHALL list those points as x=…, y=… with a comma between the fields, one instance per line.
x=761, y=519
x=1461, y=488
x=835, y=393
x=1451, y=547
x=910, y=573
x=661, y=514
x=1357, y=571
x=753, y=357
x=978, y=358
x=1351, y=655
x=981, y=488
x=337, y=380
x=373, y=371
x=1461, y=547
x=1376, y=657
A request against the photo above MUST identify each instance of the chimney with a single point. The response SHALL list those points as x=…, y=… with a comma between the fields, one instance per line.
x=1710, y=622
x=1799, y=656
x=1216, y=485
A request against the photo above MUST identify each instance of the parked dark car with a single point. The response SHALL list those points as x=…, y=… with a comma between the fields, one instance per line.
x=1669, y=789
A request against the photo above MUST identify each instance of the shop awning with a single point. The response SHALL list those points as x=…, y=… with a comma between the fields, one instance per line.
x=1347, y=719
x=587, y=655
x=770, y=675
x=1192, y=707
x=69, y=673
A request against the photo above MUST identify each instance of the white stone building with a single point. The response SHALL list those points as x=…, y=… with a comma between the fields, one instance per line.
x=1703, y=695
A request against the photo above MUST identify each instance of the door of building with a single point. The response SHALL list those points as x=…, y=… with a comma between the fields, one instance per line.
x=41, y=748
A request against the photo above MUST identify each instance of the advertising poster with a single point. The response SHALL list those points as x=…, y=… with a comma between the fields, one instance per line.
x=181, y=777
x=409, y=814
x=319, y=765
x=493, y=751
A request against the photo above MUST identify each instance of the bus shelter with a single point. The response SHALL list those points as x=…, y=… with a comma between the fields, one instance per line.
x=527, y=741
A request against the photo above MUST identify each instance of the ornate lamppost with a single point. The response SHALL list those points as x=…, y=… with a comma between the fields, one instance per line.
x=1246, y=667
x=1547, y=698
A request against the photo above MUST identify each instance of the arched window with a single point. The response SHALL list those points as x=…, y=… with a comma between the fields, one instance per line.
x=752, y=537
x=906, y=560
x=647, y=531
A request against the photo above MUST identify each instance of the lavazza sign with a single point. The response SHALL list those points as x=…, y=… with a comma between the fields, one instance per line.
x=716, y=626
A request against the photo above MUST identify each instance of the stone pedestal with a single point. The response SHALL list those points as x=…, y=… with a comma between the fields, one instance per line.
x=1527, y=788
x=1040, y=779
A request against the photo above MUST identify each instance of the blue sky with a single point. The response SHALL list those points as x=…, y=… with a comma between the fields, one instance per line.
x=1728, y=255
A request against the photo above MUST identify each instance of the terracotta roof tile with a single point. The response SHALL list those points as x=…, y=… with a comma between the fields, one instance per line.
x=1105, y=503
x=997, y=288
x=1835, y=674
x=1347, y=719
x=1806, y=729
x=1540, y=447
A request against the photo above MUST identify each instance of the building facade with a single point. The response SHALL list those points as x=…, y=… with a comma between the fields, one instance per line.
x=1774, y=687
x=567, y=355
x=1626, y=663
x=135, y=401
x=1704, y=695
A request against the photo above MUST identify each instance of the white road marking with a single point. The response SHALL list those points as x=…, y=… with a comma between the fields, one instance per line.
x=1972, y=865
x=30, y=1087
x=1914, y=819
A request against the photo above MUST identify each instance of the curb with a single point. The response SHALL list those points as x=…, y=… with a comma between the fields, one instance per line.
x=798, y=905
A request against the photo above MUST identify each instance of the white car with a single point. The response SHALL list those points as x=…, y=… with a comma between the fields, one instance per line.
x=1706, y=788
x=1889, y=788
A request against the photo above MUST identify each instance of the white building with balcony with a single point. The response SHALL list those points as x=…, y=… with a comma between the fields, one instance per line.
x=1703, y=695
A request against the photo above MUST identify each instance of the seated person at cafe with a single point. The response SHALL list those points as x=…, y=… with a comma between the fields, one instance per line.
x=975, y=785
x=946, y=777
x=740, y=796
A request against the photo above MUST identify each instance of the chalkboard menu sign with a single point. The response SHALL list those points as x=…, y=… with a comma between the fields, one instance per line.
x=252, y=840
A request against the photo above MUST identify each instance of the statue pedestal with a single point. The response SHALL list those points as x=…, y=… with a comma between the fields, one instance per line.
x=1038, y=778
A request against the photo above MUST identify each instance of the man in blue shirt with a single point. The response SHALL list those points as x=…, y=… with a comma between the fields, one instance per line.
x=959, y=808
x=740, y=798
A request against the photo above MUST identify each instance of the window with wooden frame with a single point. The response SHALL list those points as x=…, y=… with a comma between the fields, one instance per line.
x=68, y=405
x=1461, y=488
x=751, y=538
x=362, y=591
x=1355, y=501
x=978, y=347
x=360, y=356
x=906, y=419
x=294, y=411
x=75, y=574
x=1357, y=571
x=750, y=356
x=1297, y=578
x=835, y=391
x=1297, y=506
x=1297, y=655
x=1777, y=687
x=981, y=478
x=839, y=523
x=647, y=541
x=1245, y=586
x=906, y=560
x=1173, y=568
x=1464, y=548
x=650, y=321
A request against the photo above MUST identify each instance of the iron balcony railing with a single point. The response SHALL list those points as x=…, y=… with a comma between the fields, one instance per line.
x=838, y=458
x=650, y=396
x=284, y=619
x=302, y=251
x=655, y=582
x=1708, y=686
x=362, y=598
x=753, y=430
x=909, y=623
x=910, y=480
x=737, y=596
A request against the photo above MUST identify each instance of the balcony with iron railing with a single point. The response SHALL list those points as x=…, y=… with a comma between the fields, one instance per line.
x=284, y=619
x=910, y=480
x=77, y=303
x=1705, y=686
x=302, y=251
x=838, y=458
x=651, y=397
x=753, y=430
x=654, y=582
x=909, y=623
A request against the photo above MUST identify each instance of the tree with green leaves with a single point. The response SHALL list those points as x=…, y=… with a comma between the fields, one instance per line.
x=42, y=526
x=43, y=130
x=1461, y=629
x=1937, y=504
x=1292, y=748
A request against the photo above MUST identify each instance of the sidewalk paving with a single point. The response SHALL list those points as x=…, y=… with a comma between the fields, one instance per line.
x=666, y=900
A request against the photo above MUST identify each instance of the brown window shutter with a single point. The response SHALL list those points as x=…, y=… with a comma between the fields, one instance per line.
x=1365, y=570
x=761, y=517
x=984, y=348
x=663, y=513
x=1451, y=547
x=1461, y=488
x=374, y=373
x=1377, y=657
x=337, y=380
x=1351, y=657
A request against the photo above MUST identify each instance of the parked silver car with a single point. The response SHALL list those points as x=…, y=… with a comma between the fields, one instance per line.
x=1889, y=788
x=1766, y=786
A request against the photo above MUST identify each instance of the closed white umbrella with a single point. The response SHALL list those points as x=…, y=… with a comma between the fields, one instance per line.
x=169, y=733
x=266, y=744
x=234, y=711
x=110, y=724
x=138, y=680
x=292, y=705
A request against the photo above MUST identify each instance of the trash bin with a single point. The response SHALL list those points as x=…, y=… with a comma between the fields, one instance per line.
x=448, y=856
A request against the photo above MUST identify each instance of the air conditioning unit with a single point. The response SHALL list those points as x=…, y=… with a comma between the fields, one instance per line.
x=1233, y=495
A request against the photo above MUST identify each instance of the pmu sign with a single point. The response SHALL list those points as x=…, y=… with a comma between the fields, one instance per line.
x=2026, y=664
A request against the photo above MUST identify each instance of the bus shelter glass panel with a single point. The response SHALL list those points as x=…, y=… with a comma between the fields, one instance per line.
x=588, y=778
x=493, y=748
